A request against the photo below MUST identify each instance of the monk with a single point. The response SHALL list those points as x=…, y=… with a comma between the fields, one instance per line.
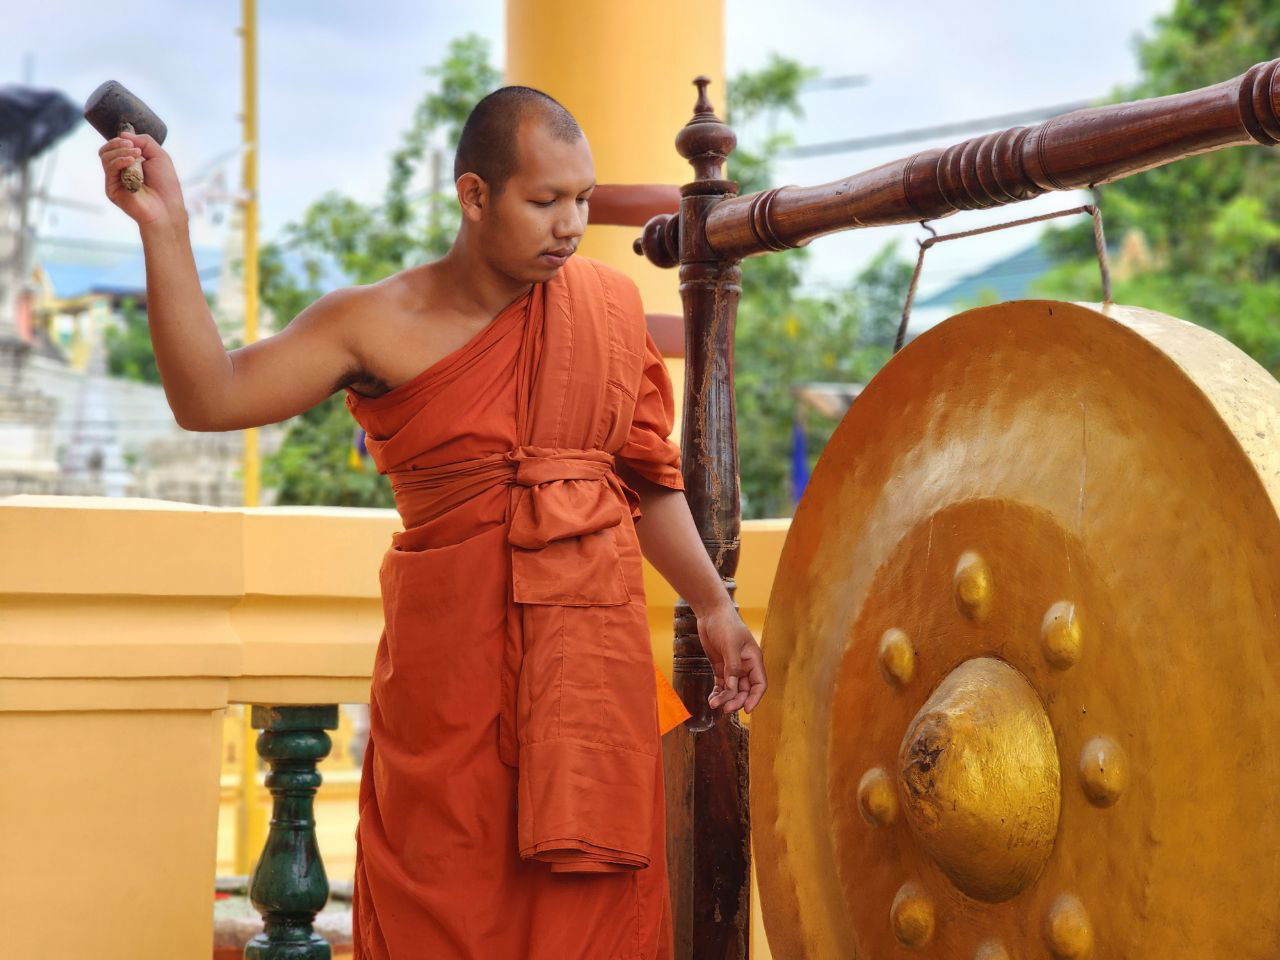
x=511, y=801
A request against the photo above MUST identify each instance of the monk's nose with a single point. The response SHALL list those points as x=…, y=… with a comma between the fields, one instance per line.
x=571, y=225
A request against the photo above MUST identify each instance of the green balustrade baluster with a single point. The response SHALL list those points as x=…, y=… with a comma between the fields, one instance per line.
x=289, y=884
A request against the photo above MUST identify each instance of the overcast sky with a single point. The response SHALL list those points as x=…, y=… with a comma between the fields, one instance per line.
x=339, y=81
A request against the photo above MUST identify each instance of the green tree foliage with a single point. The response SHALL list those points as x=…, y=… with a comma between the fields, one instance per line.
x=128, y=345
x=1210, y=221
x=313, y=464
x=785, y=336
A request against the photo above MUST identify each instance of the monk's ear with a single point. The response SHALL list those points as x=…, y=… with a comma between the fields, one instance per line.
x=473, y=196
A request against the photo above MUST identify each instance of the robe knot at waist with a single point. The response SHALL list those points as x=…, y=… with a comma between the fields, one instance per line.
x=561, y=493
x=535, y=465
x=557, y=492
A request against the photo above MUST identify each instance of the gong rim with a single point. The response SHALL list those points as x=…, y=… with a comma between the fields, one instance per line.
x=1071, y=449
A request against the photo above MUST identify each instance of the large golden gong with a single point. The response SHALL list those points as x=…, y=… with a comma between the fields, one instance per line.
x=1024, y=649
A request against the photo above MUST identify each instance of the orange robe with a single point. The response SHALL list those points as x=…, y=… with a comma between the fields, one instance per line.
x=511, y=802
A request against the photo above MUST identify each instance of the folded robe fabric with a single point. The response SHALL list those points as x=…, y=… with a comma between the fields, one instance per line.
x=524, y=508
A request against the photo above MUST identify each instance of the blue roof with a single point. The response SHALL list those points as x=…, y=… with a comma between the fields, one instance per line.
x=1007, y=279
x=76, y=267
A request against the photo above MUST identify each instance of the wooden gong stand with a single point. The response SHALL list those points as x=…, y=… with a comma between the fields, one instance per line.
x=706, y=760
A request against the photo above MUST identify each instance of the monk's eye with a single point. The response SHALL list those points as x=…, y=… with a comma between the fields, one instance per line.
x=543, y=203
x=582, y=199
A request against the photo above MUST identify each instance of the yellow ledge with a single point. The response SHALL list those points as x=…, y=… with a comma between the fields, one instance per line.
x=127, y=627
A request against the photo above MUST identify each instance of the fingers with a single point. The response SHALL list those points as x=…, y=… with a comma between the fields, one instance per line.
x=126, y=150
x=717, y=667
x=113, y=168
x=738, y=664
x=737, y=698
x=718, y=699
x=117, y=155
x=727, y=697
x=757, y=686
x=144, y=141
x=749, y=683
x=725, y=684
x=119, y=160
x=731, y=668
x=117, y=144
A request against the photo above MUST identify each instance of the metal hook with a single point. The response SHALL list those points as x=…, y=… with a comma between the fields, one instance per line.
x=1099, y=242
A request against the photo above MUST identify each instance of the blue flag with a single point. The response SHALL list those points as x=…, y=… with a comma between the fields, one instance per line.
x=799, y=460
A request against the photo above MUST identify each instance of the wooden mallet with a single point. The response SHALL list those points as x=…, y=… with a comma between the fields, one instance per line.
x=113, y=110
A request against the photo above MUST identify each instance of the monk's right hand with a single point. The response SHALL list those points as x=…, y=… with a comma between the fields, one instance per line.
x=159, y=199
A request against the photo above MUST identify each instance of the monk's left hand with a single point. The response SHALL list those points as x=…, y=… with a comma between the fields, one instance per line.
x=736, y=659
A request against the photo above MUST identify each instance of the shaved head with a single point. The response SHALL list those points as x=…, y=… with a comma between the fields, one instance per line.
x=524, y=178
x=488, y=147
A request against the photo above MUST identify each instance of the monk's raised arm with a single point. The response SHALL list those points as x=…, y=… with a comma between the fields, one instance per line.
x=207, y=387
x=211, y=389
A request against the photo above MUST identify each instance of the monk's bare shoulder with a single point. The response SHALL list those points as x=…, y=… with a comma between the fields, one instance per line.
x=346, y=312
x=383, y=320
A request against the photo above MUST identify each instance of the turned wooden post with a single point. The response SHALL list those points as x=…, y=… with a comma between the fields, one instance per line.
x=708, y=825
x=289, y=884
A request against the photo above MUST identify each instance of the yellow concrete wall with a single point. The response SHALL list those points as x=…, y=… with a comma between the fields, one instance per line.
x=108, y=828
x=131, y=629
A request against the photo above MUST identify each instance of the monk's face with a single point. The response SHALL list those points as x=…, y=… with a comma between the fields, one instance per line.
x=536, y=221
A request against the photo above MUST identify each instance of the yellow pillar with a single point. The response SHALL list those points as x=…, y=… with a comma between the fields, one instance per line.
x=625, y=71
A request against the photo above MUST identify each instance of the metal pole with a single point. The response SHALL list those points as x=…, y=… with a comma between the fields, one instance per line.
x=249, y=34
x=248, y=813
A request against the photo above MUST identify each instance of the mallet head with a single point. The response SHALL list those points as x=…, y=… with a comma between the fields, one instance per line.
x=111, y=106
x=113, y=110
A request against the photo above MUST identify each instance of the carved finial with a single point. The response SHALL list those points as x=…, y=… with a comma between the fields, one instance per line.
x=660, y=241
x=703, y=107
x=705, y=141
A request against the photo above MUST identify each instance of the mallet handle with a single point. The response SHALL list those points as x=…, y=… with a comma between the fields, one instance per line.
x=131, y=176
x=1077, y=149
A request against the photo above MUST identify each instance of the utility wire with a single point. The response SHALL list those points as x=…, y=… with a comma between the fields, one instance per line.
x=837, y=83
x=928, y=133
